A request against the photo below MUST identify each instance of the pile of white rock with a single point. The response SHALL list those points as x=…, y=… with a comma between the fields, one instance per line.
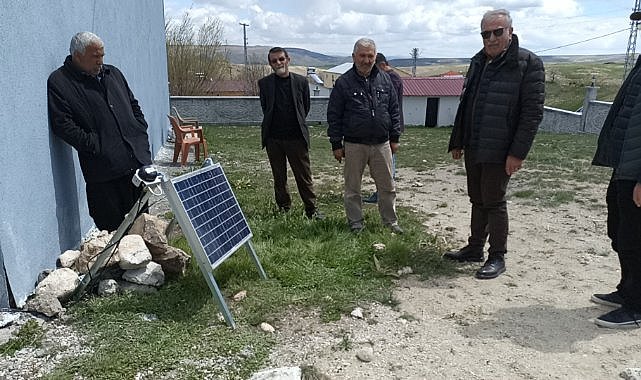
x=139, y=263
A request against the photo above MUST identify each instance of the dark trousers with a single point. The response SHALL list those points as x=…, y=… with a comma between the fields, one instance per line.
x=110, y=201
x=486, y=187
x=624, y=229
x=296, y=153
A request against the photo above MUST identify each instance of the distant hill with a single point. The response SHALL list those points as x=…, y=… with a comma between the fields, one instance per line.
x=303, y=57
x=300, y=57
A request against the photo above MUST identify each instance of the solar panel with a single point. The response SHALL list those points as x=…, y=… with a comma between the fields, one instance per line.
x=211, y=219
x=213, y=211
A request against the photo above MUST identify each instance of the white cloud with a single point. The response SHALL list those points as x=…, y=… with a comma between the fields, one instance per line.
x=439, y=28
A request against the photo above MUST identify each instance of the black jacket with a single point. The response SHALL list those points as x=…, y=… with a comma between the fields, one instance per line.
x=363, y=110
x=619, y=144
x=300, y=94
x=501, y=105
x=101, y=120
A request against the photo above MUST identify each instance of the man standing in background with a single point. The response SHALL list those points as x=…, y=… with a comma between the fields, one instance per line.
x=381, y=63
x=364, y=129
x=499, y=114
x=284, y=99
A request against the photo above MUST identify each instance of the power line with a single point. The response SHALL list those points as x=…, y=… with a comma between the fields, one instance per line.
x=580, y=42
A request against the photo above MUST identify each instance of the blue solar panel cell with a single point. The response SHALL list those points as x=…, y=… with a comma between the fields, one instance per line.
x=212, y=209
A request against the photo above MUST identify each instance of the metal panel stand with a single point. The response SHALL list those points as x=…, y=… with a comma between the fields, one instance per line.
x=254, y=257
x=213, y=224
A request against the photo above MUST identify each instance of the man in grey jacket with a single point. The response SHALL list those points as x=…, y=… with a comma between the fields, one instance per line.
x=619, y=148
x=499, y=114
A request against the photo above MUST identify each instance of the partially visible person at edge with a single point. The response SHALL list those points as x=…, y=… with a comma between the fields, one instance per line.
x=619, y=148
x=92, y=108
x=381, y=63
x=499, y=114
x=364, y=129
x=284, y=98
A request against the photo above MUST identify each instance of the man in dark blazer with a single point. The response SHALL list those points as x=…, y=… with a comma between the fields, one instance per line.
x=284, y=98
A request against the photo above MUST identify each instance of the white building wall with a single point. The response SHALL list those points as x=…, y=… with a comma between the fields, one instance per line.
x=415, y=107
x=414, y=110
x=447, y=107
x=42, y=199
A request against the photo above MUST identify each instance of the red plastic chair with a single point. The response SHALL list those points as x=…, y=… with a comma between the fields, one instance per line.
x=186, y=136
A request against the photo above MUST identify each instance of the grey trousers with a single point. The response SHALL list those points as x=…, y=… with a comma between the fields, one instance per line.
x=379, y=159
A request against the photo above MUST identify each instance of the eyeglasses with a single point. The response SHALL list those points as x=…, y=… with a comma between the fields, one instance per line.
x=497, y=33
x=279, y=59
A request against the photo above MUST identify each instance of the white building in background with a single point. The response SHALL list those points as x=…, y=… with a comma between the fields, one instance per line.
x=316, y=84
x=43, y=207
x=330, y=75
x=431, y=101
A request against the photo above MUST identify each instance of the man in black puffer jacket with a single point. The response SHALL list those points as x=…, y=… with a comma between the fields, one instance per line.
x=92, y=109
x=619, y=148
x=499, y=114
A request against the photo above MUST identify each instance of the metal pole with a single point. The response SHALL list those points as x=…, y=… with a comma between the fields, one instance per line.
x=245, y=40
x=635, y=16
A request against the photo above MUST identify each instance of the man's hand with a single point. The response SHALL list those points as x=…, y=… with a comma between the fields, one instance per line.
x=512, y=165
x=339, y=154
x=457, y=153
x=394, y=147
x=636, y=194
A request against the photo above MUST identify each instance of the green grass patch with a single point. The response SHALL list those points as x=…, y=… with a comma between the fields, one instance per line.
x=29, y=335
x=565, y=82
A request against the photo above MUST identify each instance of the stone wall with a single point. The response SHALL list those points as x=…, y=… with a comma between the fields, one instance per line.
x=558, y=120
x=237, y=110
x=245, y=110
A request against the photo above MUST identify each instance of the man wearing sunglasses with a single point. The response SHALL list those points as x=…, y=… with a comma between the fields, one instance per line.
x=284, y=98
x=498, y=116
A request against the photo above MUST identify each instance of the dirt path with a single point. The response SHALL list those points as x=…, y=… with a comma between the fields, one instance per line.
x=533, y=322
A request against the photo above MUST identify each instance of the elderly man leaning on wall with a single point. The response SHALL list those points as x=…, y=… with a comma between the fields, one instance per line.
x=92, y=108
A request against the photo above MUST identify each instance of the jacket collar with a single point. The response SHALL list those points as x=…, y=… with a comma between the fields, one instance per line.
x=373, y=73
x=81, y=75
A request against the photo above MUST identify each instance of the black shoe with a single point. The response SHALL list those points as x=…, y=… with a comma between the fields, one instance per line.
x=621, y=318
x=356, y=228
x=395, y=228
x=610, y=299
x=493, y=267
x=371, y=199
x=466, y=253
x=316, y=215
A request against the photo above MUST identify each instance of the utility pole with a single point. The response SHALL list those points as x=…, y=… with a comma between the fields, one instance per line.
x=245, y=40
x=415, y=53
x=635, y=16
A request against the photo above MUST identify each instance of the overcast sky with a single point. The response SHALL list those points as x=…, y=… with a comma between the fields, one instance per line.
x=438, y=28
